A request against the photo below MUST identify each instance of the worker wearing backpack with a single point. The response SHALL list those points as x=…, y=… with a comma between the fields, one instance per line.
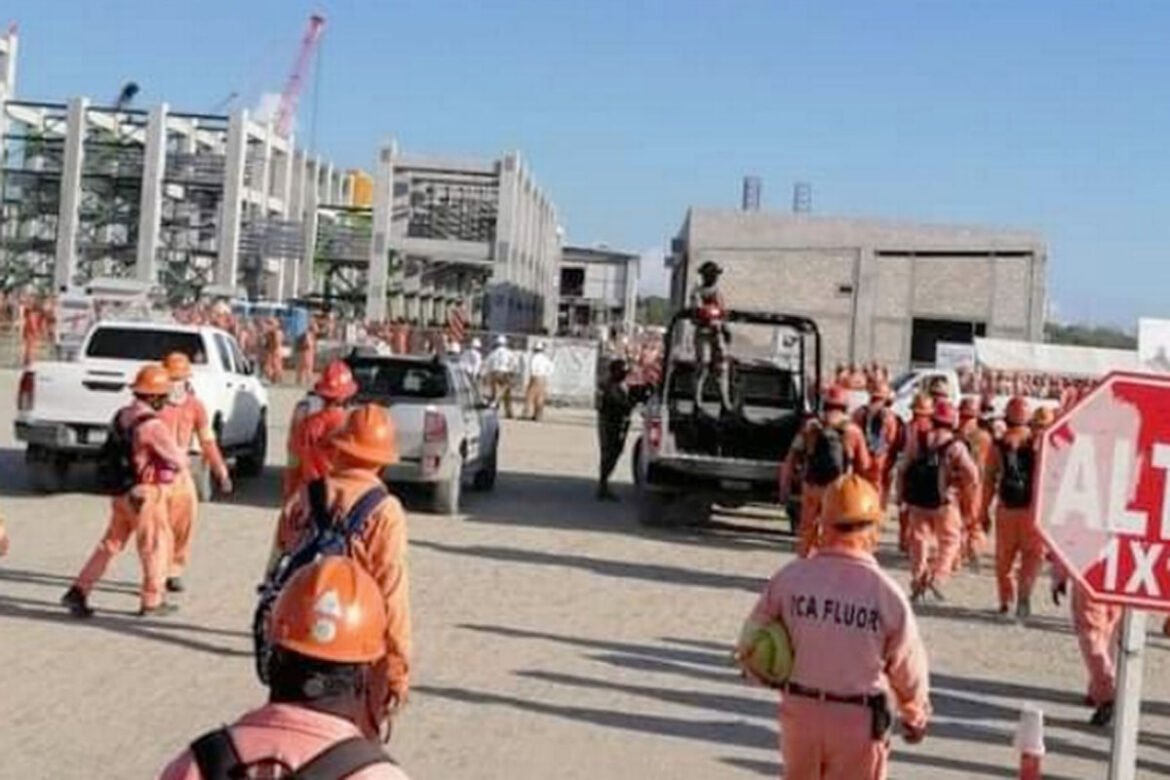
x=880, y=426
x=377, y=541
x=939, y=484
x=329, y=625
x=824, y=450
x=980, y=444
x=314, y=420
x=1013, y=467
x=187, y=418
x=149, y=460
x=855, y=646
x=922, y=409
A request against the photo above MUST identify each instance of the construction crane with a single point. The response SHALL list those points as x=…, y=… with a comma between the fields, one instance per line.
x=289, y=98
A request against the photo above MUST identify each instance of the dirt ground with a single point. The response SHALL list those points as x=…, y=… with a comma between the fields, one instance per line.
x=555, y=639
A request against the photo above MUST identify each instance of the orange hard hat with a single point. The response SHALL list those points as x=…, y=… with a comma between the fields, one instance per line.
x=944, y=414
x=968, y=409
x=836, y=398
x=1043, y=417
x=368, y=436
x=331, y=610
x=178, y=365
x=1016, y=412
x=336, y=382
x=923, y=405
x=879, y=391
x=852, y=499
x=151, y=380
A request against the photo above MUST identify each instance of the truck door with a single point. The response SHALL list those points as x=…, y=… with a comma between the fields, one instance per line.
x=246, y=410
x=230, y=433
x=472, y=430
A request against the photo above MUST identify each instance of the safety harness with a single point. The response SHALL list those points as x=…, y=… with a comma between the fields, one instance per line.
x=218, y=759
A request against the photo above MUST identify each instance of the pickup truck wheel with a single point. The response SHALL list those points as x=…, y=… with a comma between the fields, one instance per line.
x=251, y=462
x=47, y=472
x=446, y=498
x=485, y=478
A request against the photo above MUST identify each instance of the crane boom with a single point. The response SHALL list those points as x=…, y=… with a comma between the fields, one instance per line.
x=292, y=88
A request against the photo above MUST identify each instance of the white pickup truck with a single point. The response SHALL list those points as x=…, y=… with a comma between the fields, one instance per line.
x=64, y=408
x=446, y=432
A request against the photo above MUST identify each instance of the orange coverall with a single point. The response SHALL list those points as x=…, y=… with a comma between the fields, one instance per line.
x=919, y=426
x=881, y=458
x=188, y=421
x=143, y=510
x=307, y=356
x=853, y=633
x=381, y=551
x=32, y=331
x=857, y=460
x=308, y=437
x=975, y=524
x=958, y=484
x=273, y=359
x=1016, y=534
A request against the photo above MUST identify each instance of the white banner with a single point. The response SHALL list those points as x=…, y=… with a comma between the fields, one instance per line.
x=948, y=354
x=1059, y=359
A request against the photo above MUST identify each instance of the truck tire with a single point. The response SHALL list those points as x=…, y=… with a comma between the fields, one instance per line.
x=251, y=461
x=636, y=462
x=485, y=478
x=46, y=471
x=446, y=497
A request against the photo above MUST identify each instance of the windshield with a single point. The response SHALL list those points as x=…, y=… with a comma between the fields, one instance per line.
x=140, y=344
x=400, y=379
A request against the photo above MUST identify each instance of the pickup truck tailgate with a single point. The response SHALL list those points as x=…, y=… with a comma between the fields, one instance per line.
x=76, y=393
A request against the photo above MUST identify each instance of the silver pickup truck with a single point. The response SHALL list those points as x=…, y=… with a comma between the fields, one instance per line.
x=446, y=432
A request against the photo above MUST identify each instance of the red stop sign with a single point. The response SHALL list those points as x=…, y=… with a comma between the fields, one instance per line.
x=1100, y=498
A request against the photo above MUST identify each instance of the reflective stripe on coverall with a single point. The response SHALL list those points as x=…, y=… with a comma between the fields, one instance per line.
x=381, y=551
x=289, y=733
x=1016, y=534
x=941, y=526
x=852, y=632
x=143, y=510
x=188, y=422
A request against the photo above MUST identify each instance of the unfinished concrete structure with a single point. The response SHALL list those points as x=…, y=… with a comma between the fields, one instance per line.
x=879, y=290
x=598, y=291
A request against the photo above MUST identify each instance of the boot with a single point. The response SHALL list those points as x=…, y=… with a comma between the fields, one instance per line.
x=917, y=591
x=175, y=585
x=1024, y=608
x=936, y=592
x=1102, y=716
x=161, y=610
x=77, y=603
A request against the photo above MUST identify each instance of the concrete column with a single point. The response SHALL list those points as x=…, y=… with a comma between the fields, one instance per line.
x=865, y=284
x=228, y=263
x=502, y=271
x=154, y=163
x=68, y=216
x=379, y=268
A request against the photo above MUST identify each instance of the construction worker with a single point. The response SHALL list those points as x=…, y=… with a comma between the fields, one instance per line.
x=274, y=351
x=880, y=426
x=314, y=420
x=825, y=449
x=329, y=627
x=920, y=425
x=500, y=366
x=140, y=508
x=939, y=484
x=186, y=416
x=1096, y=625
x=306, y=354
x=980, y=443
x=1012, y=470
x=358, y=455
x=540, y=371
x=855, y=647
x=471, y=361
x=31, y=331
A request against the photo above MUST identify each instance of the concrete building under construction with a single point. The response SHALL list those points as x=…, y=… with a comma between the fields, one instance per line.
x=196, y=203
x=878, y=290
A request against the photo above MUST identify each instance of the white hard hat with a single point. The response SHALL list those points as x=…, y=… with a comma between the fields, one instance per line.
x=538, y=346
x=501, y=341
x=476, y=343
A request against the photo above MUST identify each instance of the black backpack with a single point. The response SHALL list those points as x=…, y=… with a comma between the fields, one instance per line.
x=922, y=476
x=218, y=759
x=324, y=537
x=873, y=433
x=1015, y=481
x=826, y=462
x=116, y=473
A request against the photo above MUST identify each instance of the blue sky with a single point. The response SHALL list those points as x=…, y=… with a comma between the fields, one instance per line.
x=1051, y=114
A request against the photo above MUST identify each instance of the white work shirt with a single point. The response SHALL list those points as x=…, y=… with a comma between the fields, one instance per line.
x=542, y=367
x=472, y=362
x=501, y=361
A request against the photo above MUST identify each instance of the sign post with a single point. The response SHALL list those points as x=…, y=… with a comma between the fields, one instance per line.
x=1103, y=506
